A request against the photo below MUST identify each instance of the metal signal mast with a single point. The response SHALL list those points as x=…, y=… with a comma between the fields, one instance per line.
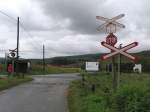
x=110, y=26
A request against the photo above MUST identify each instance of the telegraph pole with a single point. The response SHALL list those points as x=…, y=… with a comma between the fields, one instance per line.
x=17, y=38
x=119, y=65
x=43, y=58
x=114, y=75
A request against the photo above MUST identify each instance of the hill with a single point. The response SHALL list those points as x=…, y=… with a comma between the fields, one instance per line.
x=143, y=56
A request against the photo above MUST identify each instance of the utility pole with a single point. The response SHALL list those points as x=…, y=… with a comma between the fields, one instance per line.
x=17, y=38
x=43, y=58
x=114, y=76
x=119, y=65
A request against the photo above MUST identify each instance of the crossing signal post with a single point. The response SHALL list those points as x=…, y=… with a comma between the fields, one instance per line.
x=119, y=64
x=110, y=26
x=12, y=56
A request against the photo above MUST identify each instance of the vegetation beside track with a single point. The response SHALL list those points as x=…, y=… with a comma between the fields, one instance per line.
x=8, y=82
x=132, y=96
x=38, y=70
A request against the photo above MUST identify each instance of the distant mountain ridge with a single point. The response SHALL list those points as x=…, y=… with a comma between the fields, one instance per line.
x=143, y=56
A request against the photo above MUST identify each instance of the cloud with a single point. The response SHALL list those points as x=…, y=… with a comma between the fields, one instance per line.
x=81, y=14
x=68, y=27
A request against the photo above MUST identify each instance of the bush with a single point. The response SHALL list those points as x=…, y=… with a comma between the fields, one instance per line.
x=133, y=97
x=6, y=83
x=81, y=100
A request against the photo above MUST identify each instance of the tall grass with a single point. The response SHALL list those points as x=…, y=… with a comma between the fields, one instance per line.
x=7, y=82
x=132, y=96
x=38, y=69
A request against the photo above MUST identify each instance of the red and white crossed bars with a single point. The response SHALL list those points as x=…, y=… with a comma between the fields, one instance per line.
x=110, y=21
x=119, y=51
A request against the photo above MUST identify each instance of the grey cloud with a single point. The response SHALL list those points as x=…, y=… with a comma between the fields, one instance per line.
x=68, y=27
x=81, y=13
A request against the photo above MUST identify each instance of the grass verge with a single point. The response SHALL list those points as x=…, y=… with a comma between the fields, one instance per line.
x=6, y=83
x=132, y=96
x=38, y=70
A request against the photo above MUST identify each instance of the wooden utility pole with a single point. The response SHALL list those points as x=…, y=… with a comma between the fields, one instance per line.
x=43, y=58
x=17, y=38
x=119, y=65
x=114, y=75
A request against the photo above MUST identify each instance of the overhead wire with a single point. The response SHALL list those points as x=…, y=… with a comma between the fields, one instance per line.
x=35, y=44
x=10, y=17
x=25, y=29
x=30, y=37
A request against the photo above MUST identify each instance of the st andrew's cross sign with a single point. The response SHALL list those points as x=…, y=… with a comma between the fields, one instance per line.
x=110, y=26
x=110, y=23
x=122, y=51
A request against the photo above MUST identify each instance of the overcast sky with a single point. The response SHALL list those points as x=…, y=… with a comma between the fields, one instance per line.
x=68, y=27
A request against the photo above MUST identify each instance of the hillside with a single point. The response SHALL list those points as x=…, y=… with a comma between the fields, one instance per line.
x=143, y=56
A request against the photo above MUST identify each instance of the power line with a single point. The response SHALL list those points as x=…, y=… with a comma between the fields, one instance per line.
x=3, y=13
x=26, y=31
x=31, y=51
x=31, y=37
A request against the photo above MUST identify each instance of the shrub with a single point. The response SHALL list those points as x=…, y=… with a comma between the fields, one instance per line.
x=133, y=97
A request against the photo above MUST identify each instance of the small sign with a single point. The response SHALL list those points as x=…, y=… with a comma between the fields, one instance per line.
x=92, y=66
x=111, y=39
x=137, y=68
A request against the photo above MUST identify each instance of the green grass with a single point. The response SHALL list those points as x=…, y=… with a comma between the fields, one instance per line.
x=132, y=96
x=38, y=70
x=6, y=83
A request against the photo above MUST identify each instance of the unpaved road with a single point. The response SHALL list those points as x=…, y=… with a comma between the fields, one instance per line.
x=44, y=94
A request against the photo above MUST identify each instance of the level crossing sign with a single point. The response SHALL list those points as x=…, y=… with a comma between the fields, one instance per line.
x=110, y=23
x=110, y=26
x=116, y=51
